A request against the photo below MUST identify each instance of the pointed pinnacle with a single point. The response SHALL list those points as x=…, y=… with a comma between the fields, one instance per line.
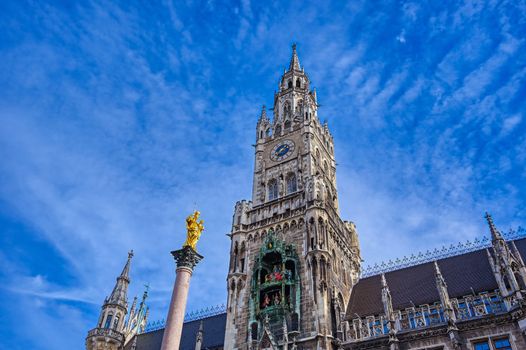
x=495, y=234
x=263, y=112
x=437, y=268
x=294, y=60
x=384, y=281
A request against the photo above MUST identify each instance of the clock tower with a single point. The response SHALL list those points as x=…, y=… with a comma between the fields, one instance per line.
x=293, y=260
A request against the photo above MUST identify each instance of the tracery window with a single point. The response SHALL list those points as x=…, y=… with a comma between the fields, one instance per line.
x=290, y=84
x=278, y=130
x=287, y=125
x=272, y=189
x=291, y=183
x=298, y=83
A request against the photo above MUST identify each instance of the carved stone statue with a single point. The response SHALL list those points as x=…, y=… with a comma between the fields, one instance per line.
x=194, y=227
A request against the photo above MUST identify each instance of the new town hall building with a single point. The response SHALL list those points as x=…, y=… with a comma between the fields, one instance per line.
x=295, y=279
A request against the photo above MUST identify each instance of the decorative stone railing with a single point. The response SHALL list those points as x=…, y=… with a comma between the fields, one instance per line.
x=107, y=333
x=469, y=307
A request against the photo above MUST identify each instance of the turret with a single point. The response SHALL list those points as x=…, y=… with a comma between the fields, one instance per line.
x=109, y=333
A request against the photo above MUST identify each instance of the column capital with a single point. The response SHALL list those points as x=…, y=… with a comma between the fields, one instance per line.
x=186, y=257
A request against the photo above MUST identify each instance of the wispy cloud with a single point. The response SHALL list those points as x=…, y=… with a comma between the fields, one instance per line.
x=118, y=120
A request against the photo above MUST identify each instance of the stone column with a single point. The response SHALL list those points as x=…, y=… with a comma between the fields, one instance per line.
x=186, y=259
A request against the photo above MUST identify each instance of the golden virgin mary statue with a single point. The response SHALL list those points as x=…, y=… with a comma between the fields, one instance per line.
x=194, y=227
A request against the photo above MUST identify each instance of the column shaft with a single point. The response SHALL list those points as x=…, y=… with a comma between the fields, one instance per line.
x=175, y=320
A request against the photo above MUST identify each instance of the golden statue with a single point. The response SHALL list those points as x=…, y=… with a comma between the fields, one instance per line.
x=194, y=227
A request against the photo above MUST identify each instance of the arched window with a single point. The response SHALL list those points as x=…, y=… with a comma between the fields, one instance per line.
x=107, y=325
x=269, y=132
x=291, y=183
x=261, y=134
x=242, y=259
x=298, y=83
x=287, y=125
x=278, y=130
x=272, y=189
x=234, y=263
x=290, y=84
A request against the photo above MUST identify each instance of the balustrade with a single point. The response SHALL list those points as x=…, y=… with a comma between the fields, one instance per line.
x=466, y=308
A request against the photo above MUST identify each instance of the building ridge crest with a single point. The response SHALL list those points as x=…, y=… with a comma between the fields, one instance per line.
x=190, y=316
x=437, y=254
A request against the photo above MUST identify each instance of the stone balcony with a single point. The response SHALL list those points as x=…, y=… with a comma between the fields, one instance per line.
x=108, y=333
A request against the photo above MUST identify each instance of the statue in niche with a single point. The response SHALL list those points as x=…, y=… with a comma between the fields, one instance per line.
x=288, y=275
x=266, y=301
x=259, y=162
x=275, y=276
x=319, y=189
x=310, y=188
x=277, y=298
x=262, y=192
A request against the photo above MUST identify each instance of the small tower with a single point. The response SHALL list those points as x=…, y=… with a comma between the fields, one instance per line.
x=109, y=333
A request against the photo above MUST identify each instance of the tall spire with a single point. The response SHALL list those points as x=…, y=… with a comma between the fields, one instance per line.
x=294, y=60
x=119, y=295
x=495, y=234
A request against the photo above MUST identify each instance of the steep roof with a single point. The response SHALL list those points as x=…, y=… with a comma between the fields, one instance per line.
x=416, y=285
x=213, y=335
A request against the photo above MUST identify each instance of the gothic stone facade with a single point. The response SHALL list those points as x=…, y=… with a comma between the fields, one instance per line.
x=293, y=259
x=294, y=277
x=470, y=301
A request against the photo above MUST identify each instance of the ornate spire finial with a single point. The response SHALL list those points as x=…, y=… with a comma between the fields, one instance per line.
x=495, y=234
x=263, y=112
x=126, y=270
x=294, y=60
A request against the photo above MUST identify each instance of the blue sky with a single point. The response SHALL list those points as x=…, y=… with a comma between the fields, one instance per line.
x=117, y=120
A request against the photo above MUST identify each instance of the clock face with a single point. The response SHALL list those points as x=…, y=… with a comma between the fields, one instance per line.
x=282, y=150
